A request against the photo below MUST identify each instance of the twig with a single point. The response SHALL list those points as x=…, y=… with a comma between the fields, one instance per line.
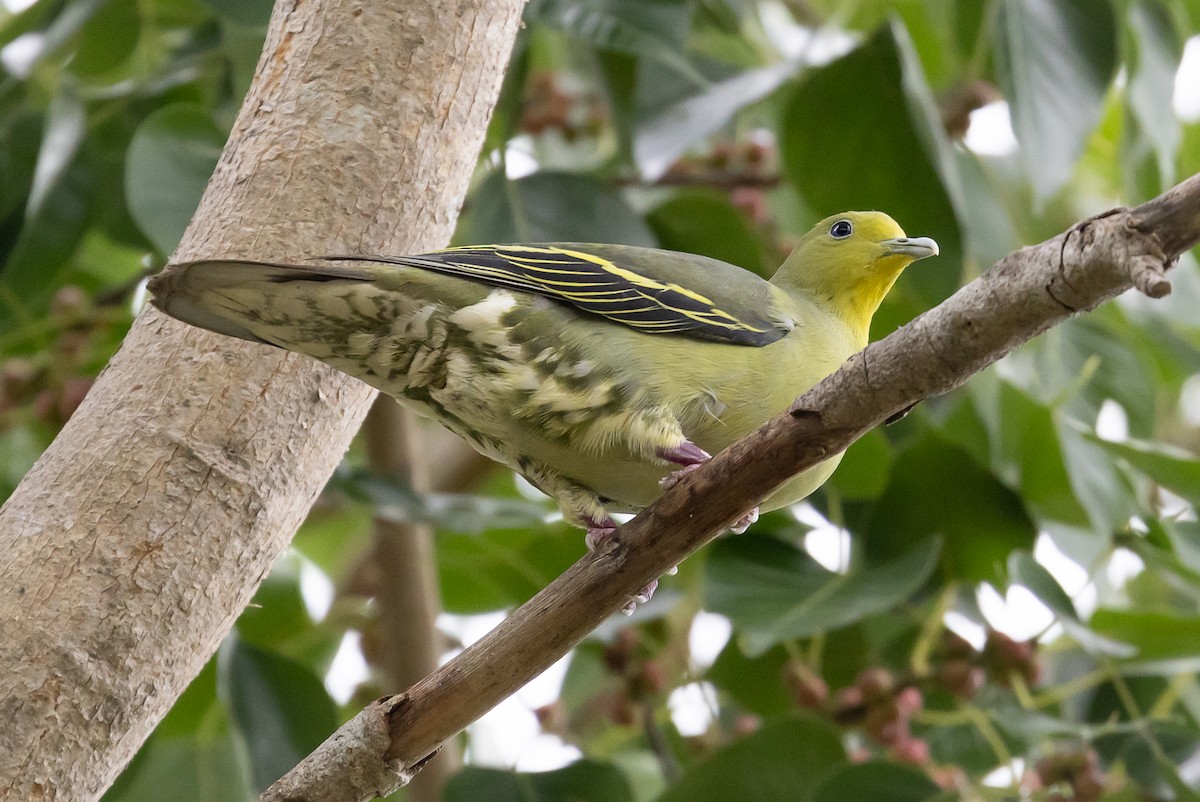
x=716, y=179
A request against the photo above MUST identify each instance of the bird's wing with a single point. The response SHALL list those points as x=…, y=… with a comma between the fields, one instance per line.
x=656, y=292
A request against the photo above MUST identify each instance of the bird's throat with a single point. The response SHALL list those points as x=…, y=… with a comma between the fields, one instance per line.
x=858, y=305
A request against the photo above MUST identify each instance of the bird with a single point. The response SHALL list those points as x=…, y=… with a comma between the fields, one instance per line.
x=601, y=373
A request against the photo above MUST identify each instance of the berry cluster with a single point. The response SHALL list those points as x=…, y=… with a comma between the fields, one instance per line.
x=1005, y=658
x=549, y=106
x=1070, y=775
x=886, y=708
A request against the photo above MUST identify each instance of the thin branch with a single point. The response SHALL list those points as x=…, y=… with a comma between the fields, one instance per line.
x=1020, y=297
x=714, y=179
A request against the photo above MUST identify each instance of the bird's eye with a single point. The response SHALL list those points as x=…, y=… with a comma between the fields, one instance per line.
x=841, y=229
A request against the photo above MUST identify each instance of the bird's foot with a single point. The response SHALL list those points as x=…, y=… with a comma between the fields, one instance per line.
x=743, y=523
x=599, y=532
x=641, y=597
x=689, y=455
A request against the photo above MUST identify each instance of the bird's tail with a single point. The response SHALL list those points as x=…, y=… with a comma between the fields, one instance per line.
x=224, y=295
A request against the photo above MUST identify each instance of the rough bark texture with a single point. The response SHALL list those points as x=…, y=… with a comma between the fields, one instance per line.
x=1020, y=297
x=132, y=545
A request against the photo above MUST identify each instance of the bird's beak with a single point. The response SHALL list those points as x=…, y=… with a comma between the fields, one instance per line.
x=915, y=247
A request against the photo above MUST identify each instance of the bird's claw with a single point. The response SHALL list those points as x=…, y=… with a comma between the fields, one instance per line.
x=672, y=478
x=599, y=533
x=687, y=453
x=689, y=457
x=743, y=523
x=641, y=597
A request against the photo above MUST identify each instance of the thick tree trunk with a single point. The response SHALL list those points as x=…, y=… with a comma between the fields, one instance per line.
x=132, y=545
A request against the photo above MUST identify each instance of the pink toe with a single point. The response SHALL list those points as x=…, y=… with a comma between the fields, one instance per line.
x=743, y=523
x=688, y=453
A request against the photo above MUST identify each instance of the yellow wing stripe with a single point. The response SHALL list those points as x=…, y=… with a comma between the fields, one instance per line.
x=597, y=285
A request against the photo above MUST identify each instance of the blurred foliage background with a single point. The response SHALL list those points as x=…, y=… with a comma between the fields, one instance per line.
x=996, y=598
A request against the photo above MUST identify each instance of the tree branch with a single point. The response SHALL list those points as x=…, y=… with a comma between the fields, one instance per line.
x=135, y=541
x=1021, y=296
x=408, y=600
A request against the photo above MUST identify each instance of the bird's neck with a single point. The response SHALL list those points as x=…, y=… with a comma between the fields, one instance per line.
x=852, y=305
x=858, y=305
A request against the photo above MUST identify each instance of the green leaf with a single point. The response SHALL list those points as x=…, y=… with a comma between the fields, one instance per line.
x=1099, y=485
x=67, y=20
x=506, y=116
x=863, y=472
x=1173, y=468
x=212, y=771
x=650, y=29
x=456, y=512
x=876, y=780
x=1157, y=51
x=756, y=683
x=1158, y=758
x=987, y=221
x=57, y=212
x=277, y=620
x=774, y=592
x=502, y=568
x=1033, y=727
x=1026, y=571
x=1104, y=346
x=27, y=20
x=582, y=781
x=280, y=707
x=171, y=157
x=1184, y=538
x=1054, y=60
x=551, y=207
x=245, y=13
x=619, y=73
x=334, y=536
x=665, y=134
x=1165, y=643
x=782, y=762
x=20, y=140
x=108, y=38
x=705, y=222
x=197, y=713
x=858, y=134
x=64, y=132
x=938, y=489
x=1028, y=437
x=192, y=751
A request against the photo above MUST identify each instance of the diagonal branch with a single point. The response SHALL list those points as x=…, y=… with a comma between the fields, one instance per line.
x=1020, y=297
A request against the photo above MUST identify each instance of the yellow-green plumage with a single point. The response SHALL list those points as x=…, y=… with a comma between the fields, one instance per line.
x=584, y=367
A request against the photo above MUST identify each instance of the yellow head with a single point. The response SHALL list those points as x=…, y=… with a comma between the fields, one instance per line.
x=849, y=262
